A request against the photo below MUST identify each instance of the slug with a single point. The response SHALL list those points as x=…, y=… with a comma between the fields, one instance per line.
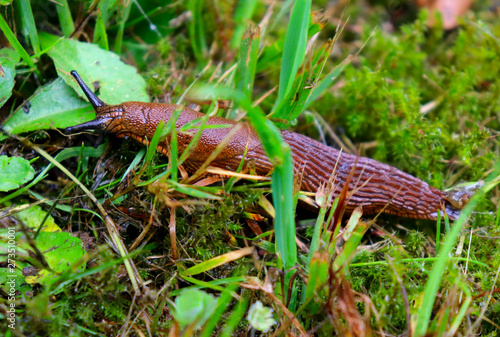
x=374, y=186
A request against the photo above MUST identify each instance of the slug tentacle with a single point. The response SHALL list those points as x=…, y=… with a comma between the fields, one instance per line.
x=94, y=100
x=375, y=186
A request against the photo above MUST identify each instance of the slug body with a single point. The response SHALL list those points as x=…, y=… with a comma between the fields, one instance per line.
x=375, y=186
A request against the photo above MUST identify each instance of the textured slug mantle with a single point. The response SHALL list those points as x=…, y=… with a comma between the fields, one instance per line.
x=375, y=186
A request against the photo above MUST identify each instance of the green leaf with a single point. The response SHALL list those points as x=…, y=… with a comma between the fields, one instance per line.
x=55, y=105
x=117, y=82
x=14, y=171
x=12, y=280
x=61, y=251
x=8, y=60
x=193, y=307
x=32, y=217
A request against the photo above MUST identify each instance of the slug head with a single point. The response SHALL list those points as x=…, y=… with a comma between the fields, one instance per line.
x=108, y=117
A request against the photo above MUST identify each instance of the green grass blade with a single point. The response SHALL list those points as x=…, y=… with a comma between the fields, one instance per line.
x=217, y=261
x=137, y=159
x=294, y=48
x=63, y=155
x=432, y=286
x=280, y=156
x=293, y=104
x=197, y=284
x=154, y=142
x=282, y=184
x=242, y=14
x=326, y=82
x=318, y=227
x=355, y=230
x=247, y=63
x=124, y=14
x=438, y=231
x=271, y=55
x=28, y=24
x=284, y=225
x=236, y=316
x=100, y=34
x=197, y=30
x=222, y=304
x=65, y=19
x=196, y=192
x=16, y=45
x=318, y=274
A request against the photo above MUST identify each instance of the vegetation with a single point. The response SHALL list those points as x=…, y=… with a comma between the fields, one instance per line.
x=108, y=238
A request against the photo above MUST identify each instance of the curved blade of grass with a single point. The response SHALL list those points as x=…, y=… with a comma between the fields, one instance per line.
x=64, y=154
x=322, y=85
x=218, y=261
x=432, y=286
x=153, y=144
x=17, y=46
x=281, y=182
x=192, y=191
x=280, y=156
x=271, y=55
x=210, y=284
x=294, y=48
x=134, y=163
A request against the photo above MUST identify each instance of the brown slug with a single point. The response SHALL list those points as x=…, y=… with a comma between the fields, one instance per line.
x=375, y=186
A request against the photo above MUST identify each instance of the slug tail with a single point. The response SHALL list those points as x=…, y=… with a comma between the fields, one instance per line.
x=94, y=100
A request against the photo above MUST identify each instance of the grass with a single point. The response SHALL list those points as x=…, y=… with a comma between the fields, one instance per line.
x=166, y=256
